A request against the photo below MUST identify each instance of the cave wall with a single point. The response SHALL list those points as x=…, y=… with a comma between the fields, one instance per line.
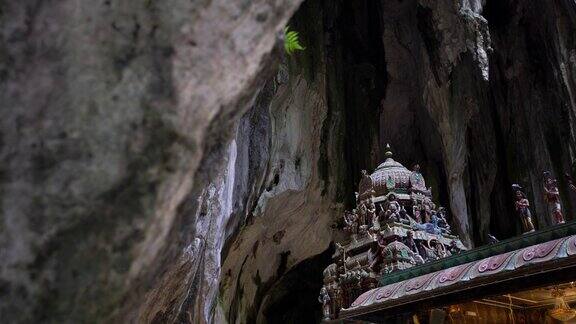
x=115, y=118
x=292, y=218
x=431, y=83
x=531, y=86
x=480, y=94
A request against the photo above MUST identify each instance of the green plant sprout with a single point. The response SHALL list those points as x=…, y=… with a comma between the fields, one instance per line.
x=291, y=42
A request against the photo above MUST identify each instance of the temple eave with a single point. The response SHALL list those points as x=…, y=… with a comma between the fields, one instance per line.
x=402, y=257
x=540, y=263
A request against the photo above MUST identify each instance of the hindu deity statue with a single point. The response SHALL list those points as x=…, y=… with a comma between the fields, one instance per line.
x=552, y=197
x=376, y=222
x=426, y=212
x=351, y=223
x=453, y=247
x=427, y=253
x=416, y=213
x=374, y=258
x=409, y=241
x=393, y=210
x=362, y=213
x=430, y=227
x=365, y=176
x=522, y=206
x=442, y=221
x=439, y=249
x=366, y=186
x=404, y=218
x=324, y=299
x=371, y=212
x=416, y=178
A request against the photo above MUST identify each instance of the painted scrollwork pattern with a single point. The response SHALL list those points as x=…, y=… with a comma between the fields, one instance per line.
x=388, y=291
x=416, y=284
x=470, y=273
x=453, y=274
x=491, y=265
x=363, y=298
x=539, y=253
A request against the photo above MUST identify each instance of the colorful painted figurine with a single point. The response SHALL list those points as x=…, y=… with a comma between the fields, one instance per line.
x=522, y=206
x=442, y=221
x=409, y=241
x=552, y=197
x=393, y=211
x=416, y=178
x=370, y=212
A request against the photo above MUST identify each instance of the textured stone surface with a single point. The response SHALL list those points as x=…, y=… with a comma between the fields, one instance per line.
x=490, y=125
x=429, y=74
x=114, y=116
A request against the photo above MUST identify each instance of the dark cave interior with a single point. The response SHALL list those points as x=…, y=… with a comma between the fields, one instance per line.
x=378, y=111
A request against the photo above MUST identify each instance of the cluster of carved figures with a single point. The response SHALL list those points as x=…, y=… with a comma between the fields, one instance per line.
x=394, y=226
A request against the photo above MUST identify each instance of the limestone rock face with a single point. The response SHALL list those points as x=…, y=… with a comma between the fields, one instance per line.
x=470, y=93
x=113, y=114
x=164, y=161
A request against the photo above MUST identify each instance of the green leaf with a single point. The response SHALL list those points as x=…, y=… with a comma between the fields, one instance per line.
x=291, y=41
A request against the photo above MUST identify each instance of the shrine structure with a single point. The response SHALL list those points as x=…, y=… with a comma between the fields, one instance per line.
x=400, y=250
x=395, y=226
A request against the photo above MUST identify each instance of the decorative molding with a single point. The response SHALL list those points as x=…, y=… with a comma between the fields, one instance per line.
x=468, y=273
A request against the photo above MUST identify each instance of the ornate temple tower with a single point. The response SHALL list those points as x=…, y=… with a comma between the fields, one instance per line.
x=394, y=226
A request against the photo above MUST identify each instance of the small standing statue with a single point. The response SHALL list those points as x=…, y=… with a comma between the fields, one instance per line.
x=522, y=209
x=442, y=221
x=376, y=219
x=375, y=256
x=365, y=176
x=453, y=248
x=427, y=212
x=409, y=241
x=351, y=221
x=392, y=213
x=362, y=211
x=404, y=215
x=324, y=299
x=370, y=211
x=416, y=214
x=416, y=178
x=366, y=185
x=552, y=197
x=439, y=249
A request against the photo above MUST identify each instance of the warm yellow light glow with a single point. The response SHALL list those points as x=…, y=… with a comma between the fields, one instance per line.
x=562, y=310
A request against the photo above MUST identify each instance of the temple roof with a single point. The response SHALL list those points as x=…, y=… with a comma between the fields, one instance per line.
x=543, y=258
x=389, y=174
